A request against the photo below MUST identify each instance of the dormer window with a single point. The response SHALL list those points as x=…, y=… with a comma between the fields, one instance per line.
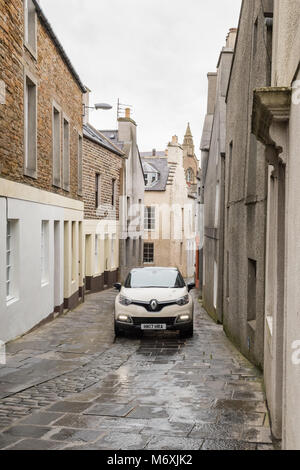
x=30, y=26
x=152, y=176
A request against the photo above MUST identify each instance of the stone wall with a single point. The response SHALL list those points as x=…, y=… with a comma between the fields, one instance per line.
x=97, y=159
x=54, y=83
x=246, y=187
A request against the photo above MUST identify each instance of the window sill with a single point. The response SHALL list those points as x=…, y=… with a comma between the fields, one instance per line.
x=252, y=325
x=11, y=301
x=269, y=321
x=30, y=173
x=31, y=50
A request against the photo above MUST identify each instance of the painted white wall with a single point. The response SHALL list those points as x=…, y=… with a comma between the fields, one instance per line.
x=291, y=393
x=108, y=234
x=33, y=301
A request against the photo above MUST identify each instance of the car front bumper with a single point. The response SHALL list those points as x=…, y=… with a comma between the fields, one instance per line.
x=137, y=325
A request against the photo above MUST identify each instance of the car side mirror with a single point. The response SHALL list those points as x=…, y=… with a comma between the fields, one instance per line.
x=191, y=286
x=118, y=286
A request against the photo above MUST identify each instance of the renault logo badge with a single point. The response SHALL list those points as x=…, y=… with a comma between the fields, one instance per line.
x=153, y=304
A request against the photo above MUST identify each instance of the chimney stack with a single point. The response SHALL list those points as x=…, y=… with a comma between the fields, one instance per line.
x=174, y=140
x=231, y=37
x=127, y=113
x=154, y=153
x=212, y=88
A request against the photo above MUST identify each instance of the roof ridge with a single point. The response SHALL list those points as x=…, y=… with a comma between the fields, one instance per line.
x=105, y=138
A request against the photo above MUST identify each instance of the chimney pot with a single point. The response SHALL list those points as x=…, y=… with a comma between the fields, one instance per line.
x=127, y=113
x=153, y=152
x=231, y=37
x=174, y=140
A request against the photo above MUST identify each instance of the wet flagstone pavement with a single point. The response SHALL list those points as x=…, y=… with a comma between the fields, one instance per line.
x=71, y=385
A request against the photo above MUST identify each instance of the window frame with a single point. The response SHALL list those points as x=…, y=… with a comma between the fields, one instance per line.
x=149, y=218
x=149, y=247
x=12, y=279
x=190, y=176
x=66, y=181
x=96, y=254
x=97, y=190
x=113, y=195
x=30, y=167
x=44, y=252
x=31, y=47
x=9, y=265
x=56, y=108
x=80, y=165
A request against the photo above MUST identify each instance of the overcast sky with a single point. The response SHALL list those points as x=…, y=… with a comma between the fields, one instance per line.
x=152, y=54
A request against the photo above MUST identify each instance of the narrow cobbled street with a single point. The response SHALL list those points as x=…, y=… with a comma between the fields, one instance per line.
x=71, y=385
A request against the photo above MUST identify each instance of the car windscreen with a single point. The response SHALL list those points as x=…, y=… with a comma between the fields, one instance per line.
x=156, y=278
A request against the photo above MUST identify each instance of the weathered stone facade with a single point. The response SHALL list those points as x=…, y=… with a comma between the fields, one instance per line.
x=173, y=220
x=190, y=162
x=102, y=181
x=213, y=180
x=132, y=195
x=54, y=83
x=275, y=123
x=246, y=186
x=99, y=160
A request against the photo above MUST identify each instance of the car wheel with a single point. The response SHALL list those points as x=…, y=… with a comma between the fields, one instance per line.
x=187, y=333
x=118, y=332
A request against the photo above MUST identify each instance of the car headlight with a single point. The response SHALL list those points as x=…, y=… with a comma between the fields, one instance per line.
x=124, y=300
x=183, y=301
x=183, y=318
x=124, y=319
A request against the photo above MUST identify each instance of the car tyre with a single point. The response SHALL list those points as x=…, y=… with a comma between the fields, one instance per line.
x=118, y=332
x=187, y=333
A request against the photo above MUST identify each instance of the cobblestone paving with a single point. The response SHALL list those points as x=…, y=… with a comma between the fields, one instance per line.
x=70, y=385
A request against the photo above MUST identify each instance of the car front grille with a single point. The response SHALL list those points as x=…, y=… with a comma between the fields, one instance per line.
x=159, y=307
x=154, y=321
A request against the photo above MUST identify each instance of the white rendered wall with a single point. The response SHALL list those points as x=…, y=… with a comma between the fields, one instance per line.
x=34, y=301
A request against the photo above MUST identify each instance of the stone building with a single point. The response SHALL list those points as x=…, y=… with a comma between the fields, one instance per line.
x=193, y=178
x=213, y=148
x=190, y=161
x=276, y=123
x=102, y=173
x=41, y=208
x=246, y=185
x=131, y=230
x=169, y=211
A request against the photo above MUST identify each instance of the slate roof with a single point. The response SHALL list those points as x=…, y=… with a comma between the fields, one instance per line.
x=161, y=165
x=96, y=136
x=150, y=155
x=41, y=15
x=113, y=136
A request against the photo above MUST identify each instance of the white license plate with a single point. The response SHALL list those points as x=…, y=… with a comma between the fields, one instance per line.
x=153, y=327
